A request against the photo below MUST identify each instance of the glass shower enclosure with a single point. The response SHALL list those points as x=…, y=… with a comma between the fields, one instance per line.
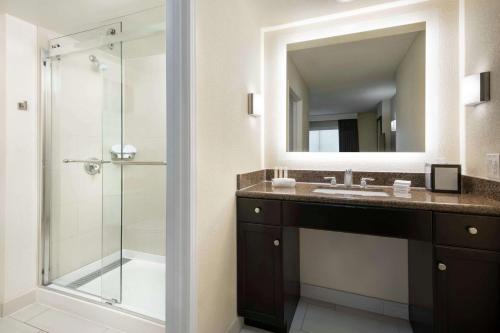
x=104, y=164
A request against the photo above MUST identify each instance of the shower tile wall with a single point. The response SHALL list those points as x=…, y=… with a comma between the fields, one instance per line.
x=144, y=187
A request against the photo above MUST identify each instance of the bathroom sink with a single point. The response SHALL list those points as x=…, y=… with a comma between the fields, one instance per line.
x=364, y=193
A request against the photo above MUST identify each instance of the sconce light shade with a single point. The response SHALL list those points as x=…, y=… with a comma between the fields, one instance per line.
x=476, y=89
x=393, y=125
x=255, y=105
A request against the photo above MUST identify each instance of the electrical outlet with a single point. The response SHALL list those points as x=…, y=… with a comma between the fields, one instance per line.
x=493, y=165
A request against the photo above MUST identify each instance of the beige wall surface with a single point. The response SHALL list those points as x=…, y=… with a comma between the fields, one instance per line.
x=367, y=131
x=409, y=101
x=482, y=50
x=228, y=143
x=360, y=264
x=299, y=86
x=18, y=159
x=2, y=159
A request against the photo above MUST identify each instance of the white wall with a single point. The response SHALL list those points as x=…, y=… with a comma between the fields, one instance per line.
x=409, y=101
x=20, y=161
x=144, y=126
x=482, y=49
x=299, y=87
x=342, y=251
x=228, y=143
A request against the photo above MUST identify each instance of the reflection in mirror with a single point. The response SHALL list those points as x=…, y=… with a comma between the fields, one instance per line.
x=363, y=92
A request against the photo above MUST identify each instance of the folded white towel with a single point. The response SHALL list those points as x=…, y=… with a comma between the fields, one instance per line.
x=399, y=182
x=283, y=182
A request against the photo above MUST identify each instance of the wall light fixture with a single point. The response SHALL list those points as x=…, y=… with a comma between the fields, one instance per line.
x=476, y=89
x=255, y=105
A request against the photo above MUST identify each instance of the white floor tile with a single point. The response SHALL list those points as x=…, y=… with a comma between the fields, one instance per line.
x=10, y=325
x=54, y=321
x=314, y=316
x=29, y=312
x=248, y=329
x=328, y=320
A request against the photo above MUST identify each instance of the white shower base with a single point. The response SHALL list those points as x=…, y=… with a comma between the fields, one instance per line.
x=143, y=284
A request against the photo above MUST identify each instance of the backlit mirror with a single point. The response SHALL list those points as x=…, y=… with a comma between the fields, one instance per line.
x=362, y=92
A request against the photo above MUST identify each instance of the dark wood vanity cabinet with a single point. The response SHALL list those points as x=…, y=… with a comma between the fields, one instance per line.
x=467, y=290
x=467, y=274
x=260, y=273
x=453, y=261
x=268, y=266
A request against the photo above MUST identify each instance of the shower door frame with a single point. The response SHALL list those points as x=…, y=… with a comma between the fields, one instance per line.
x=46, y=104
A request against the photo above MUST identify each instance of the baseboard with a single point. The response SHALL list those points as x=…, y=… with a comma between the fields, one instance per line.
x=361, y=302
x=17, y=304
x=235, y=326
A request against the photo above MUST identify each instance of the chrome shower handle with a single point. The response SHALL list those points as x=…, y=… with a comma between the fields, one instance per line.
x=96, y=161
x=118, y=162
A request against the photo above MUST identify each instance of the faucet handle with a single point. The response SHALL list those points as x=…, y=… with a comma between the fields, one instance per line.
x=333, y=180
x=365, y=180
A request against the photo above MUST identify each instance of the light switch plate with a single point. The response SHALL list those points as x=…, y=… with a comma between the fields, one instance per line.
x=493, y=165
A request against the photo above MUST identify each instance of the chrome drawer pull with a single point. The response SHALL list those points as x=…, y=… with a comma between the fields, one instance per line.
x=441, y=267
x=472, y=230
x=257, y=210
x=276, y=242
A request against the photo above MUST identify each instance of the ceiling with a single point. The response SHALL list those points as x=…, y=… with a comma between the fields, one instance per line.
x=352, y=77
x=68, y=16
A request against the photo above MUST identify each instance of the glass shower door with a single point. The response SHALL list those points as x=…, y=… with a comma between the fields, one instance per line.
x=83, y=185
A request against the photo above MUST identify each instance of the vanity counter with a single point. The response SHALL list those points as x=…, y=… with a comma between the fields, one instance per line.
x=418, y=198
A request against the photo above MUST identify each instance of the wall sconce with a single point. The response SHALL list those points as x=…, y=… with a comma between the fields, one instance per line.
x=255, y=105
x=476, y=89
x=393, y=125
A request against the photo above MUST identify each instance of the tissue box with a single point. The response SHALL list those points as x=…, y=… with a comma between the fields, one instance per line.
x=443, y=178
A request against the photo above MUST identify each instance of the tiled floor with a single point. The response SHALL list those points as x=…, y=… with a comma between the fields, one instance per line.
x=319, y=317
x=37, y=318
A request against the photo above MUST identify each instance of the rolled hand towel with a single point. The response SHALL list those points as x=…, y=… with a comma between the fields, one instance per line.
x=283, y=182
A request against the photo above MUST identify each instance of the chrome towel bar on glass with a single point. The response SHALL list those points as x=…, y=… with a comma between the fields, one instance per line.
x=117, y=162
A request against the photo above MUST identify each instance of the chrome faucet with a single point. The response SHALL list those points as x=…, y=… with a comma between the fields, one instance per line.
x=348, y=178
x=364, y=182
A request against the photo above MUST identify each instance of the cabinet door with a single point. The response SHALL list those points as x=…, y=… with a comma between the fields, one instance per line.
x=260, y=273
x=468, y=290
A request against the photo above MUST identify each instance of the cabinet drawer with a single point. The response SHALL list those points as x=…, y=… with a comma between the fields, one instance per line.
x=477, y=232
x=259, y=211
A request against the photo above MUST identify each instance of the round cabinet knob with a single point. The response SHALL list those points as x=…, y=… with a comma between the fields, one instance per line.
x=257, y=210
x=472, y=230
x=276, y=242
x=441, y=266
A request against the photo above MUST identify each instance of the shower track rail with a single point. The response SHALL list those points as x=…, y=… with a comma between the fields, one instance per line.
x=116, y=162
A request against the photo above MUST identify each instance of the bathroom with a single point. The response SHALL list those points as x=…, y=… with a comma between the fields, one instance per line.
x=175, y=166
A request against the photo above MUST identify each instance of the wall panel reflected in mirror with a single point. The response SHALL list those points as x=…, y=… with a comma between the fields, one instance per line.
x=363, y=92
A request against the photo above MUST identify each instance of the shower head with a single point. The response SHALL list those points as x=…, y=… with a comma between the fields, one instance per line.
x=97, y=64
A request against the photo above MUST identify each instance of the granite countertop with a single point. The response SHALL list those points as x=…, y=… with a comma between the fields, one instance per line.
x=418, y=198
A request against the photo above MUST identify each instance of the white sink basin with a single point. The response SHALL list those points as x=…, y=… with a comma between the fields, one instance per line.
x=351, y=192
